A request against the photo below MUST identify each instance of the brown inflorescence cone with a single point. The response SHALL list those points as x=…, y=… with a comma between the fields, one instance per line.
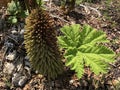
x=41, y=44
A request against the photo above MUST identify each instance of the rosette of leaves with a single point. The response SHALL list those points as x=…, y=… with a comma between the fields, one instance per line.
x=13, y=7
x=41, y=44
x=83, y=48
x=15, y=11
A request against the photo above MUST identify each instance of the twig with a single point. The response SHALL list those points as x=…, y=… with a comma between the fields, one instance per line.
x=94, y=9
x=112, y=65
x=51, y=9
x=85, y=8
x=13, y=40
x=88, y=7
x=55, y=16
x=113, y=85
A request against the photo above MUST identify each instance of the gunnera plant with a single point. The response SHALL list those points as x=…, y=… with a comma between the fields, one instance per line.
x=84, y=47
x=41, y=44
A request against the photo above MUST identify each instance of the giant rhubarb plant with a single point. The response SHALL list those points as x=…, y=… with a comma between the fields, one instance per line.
x=83, y=48
x=41, y=44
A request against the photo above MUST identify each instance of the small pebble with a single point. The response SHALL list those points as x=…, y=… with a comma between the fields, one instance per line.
x=14, y=32
x=11, y=56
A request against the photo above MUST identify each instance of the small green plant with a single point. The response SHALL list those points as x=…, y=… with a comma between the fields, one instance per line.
x=13, y=7
x=40, y=2
x=15, y=11
x=21, y=9
x=83, y=48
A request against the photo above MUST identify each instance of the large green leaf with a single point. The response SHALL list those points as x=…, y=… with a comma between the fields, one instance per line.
x=71, y=36
x=97, y=57
x=73, y=60
x=82, y=46
x=90, y=36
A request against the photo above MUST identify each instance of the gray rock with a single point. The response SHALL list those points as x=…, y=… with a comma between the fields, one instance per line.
x=8, y=68
x=14, y=32
x=22, y=31
x=11, y=56
x=19, y=80
x=22, y=81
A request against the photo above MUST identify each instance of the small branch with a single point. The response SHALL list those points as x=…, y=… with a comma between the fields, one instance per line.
x=13, y=40
x=94, y=9
x=55, y=16
x=112, y=65
x=85, y=8
x=88, y=7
